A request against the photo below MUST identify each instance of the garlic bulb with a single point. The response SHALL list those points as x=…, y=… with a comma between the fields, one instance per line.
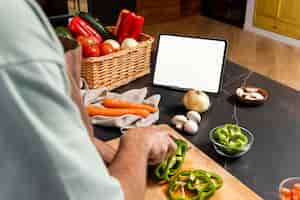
x=191, y=127
x=193, y=115
x=196, y=100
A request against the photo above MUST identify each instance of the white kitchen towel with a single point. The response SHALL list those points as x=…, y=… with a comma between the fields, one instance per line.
x=94, y=97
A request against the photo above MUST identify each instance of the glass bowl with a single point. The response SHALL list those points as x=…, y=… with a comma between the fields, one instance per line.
x=288, y=183
x=223, y=151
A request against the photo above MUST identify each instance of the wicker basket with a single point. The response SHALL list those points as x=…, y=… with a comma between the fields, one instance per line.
x=119, y=68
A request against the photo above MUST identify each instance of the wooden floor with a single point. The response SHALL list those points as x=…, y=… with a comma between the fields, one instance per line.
x=273, y=59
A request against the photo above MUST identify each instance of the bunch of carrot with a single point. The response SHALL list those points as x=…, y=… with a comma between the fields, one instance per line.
x=291, y=194
x=115, y=107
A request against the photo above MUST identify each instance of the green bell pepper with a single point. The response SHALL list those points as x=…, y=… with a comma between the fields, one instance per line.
x=231, y=137
x=200, y=183
x=168, y=168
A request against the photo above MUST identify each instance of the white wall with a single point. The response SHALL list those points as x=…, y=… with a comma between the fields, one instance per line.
x=250, y=27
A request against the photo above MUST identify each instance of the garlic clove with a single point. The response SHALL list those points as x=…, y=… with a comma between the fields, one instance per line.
x=193, y=115
x=191, y=127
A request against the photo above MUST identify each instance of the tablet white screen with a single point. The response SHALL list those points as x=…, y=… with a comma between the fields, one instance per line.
x=189, y=63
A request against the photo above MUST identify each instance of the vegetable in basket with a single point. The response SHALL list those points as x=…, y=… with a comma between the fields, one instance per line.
x=106, y=48
x=129, y=25
x=89, y=46
x=96, y=24
x=63, y=32
x=81, y=28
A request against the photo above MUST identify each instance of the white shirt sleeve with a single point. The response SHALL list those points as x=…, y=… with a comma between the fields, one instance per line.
x=45, y=150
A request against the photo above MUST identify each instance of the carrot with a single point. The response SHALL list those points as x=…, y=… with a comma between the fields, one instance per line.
x=286, y=194
x=295, y=194
x=297, y=187
x=114, y=112
x=115, y=103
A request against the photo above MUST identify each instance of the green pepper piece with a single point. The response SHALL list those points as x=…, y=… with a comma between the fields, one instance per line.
x=233, y=129
x=202, y=183
x=169, y=167
x=160, y=171
x=210, y=190
x=221, y=136
x=244, y=138
x=181, y=147
x=217, y=180
x=181, y=180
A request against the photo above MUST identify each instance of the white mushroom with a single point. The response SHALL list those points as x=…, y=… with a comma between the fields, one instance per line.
x=193, y=115
x=191, y=127
x=257, y=95
x=179, y=121
x=249, y=97
x=240, y=92
x=251, y=89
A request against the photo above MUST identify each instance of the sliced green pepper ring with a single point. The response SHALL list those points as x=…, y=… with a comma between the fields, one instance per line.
x=217, y=180
x=231, y=137
x=200, y=183
x=168, y=168
x=233, y=129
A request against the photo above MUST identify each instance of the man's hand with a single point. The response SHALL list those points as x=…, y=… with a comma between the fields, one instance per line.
x=159, y=145
x=138, y=147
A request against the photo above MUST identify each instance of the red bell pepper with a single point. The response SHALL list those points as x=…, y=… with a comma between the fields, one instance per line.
x=122, y=16
x=125, y=27
x=79, y=27
x=137, y=27
x=129, y=25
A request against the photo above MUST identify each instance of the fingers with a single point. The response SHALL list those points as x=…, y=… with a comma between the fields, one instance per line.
x=158, y=154
x=172, y=147
x=159, y=141
x=162, y=150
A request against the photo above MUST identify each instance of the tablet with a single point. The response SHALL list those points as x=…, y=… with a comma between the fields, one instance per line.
x=187, y=62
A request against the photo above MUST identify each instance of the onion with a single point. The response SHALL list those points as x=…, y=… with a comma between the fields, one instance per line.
x=113, y=43
x=129, y=43
x=196, y=100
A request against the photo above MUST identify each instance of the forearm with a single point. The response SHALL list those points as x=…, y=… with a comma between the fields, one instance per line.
x=130, y=167
x=106, y=151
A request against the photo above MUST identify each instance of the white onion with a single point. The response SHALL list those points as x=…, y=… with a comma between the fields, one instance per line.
x=129, y=43
x=196, y=100
x=113, y=43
